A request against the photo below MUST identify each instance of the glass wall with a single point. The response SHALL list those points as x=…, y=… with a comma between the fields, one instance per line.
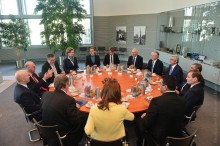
x=196, y=29
x=25, y=8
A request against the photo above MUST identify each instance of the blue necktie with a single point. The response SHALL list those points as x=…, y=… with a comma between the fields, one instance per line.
x=171, y=70
x=152, y=68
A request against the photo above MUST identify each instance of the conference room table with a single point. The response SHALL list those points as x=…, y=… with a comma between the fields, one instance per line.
x=126, y=81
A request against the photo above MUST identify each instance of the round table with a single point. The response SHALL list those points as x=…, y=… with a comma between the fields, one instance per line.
x=126, y=81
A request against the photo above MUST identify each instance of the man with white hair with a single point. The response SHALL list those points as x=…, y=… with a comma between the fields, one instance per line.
x=155, y=65
x=37, y=84
x=135, y=60
x=25, y=97
x=175, y=70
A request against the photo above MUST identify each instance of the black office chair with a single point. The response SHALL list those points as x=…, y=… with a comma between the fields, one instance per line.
x=117, y=142
x=185, y=141
x=49, y=134
x=82, y=53
x=122, y=51
x=189, y=119
x=193, y=115
x=28, y=118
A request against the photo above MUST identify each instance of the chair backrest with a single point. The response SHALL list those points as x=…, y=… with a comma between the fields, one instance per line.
x=50, y=133
x=117, y=142
x=185, y=141
x=27, y=116
x=122, y=49
x=101, y=49
x=83, y=49
x=193, y=114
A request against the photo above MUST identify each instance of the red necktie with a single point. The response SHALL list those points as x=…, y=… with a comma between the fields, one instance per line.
x=36, y=81
x=34, y=78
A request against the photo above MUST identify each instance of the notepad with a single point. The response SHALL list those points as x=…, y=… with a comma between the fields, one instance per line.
x=81, y=102
x=79, y=71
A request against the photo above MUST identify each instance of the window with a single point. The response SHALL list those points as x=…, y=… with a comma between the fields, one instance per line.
x=86, y=5
x=27, y=7
x=86, y=38
x=36, y=28
x=8, y=7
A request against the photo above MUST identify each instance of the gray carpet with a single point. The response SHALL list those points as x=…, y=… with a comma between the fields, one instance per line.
x=14, y=128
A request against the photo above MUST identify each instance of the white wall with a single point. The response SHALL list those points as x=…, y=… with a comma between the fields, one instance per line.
x=132, y=7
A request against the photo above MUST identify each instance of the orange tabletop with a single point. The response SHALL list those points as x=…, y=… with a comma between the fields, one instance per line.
x=126, y=80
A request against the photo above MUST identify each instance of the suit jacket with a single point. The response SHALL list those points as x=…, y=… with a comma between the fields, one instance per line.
x=67, y=65
x=177, y=73
x=138, y=63
x=47, y=66
x=164, y=116
x=158, y=66
x=90, y=63
x=106, y=60
x=194, y=97
x=60, y=109
x=28, y=99
x=38, y=87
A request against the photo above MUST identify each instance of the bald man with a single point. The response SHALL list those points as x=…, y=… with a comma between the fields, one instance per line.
x=37, y=84
x=25, y=97
x=135, y=61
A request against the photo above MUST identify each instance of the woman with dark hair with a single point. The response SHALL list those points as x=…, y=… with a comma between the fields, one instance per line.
x=105, y=121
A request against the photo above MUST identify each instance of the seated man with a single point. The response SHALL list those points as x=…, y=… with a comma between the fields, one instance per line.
x=154, y=64
x=135, y=60
x=60, y=109
x=93, y=59
x=165, y=113
x=175, y=70
x=25, y=97
x=70, y=63
x=195, y=95
x=51, y=67
x=36, y=84
x=184, y=87
x=111, y=57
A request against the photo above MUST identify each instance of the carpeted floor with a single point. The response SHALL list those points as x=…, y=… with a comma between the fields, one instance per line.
x=14, y=128
x=7, y=81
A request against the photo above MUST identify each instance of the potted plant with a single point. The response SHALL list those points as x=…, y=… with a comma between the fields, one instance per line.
x=61, y=23
x=15, y=34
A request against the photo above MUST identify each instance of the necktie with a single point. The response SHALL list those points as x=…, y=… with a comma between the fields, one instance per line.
x=171, y=70
x=133, y=60
x=112, y=59
x=34, y=78
x=36, y=81
x=152, y=68
x=54, y=69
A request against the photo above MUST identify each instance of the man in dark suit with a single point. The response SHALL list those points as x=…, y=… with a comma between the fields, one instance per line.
x=51, y=67
x=154, y=64
x=36, y=84
x=25, y=97
x=175, y=70
x=184, y=87
x=111, y=57
x=195, y=95
x=165, y=113
x=60, y=109
x=70, y=63
x=92, y=59
x=135, y=60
